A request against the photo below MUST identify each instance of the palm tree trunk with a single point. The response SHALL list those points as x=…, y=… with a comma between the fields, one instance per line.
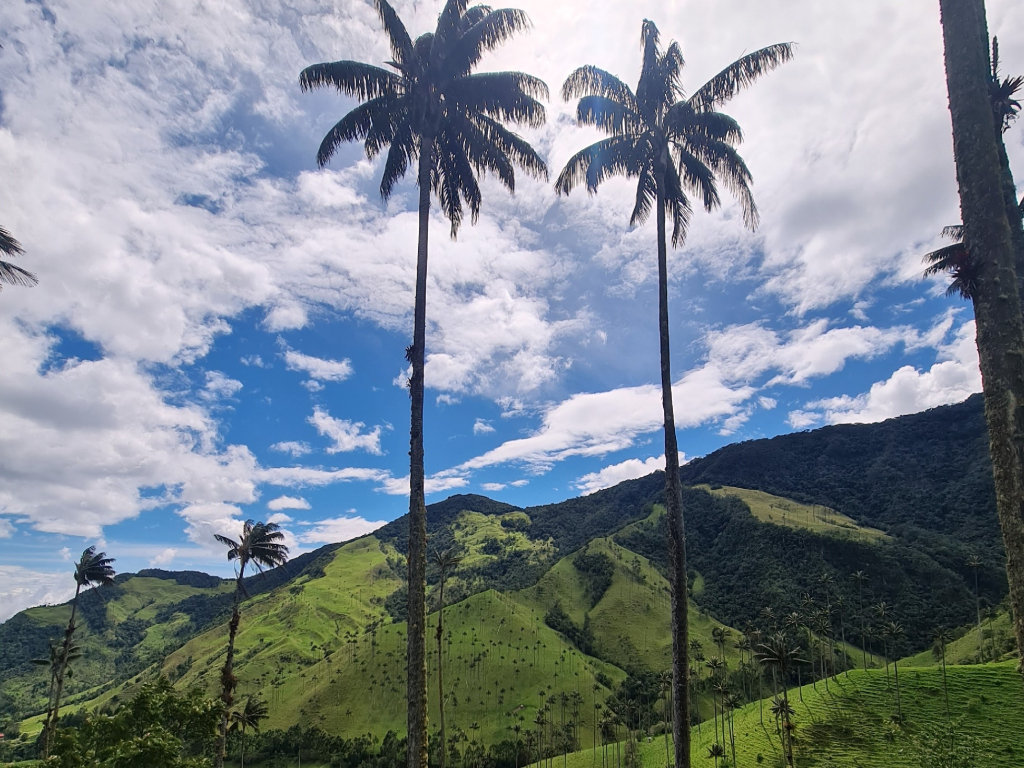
x=899, y=703
x=440, y=676
x=417, y=656
x=1000, y=328
x=674, y=503
x=227, y=675
x=977, y=605
x=54, y=715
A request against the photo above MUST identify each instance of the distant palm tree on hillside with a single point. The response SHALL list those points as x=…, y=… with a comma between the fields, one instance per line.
x=431, y=108
x=260, y=544
x=671, y=145
x=250, y=716
x=93, y=569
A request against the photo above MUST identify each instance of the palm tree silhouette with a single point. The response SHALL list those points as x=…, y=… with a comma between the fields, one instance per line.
x=250, y=716
x=260, y=544
x=431, y=108
x=671, y=145
x=93, y=569
x=11, y=274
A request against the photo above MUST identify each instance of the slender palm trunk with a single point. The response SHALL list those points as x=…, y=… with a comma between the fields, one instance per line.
x=977, y=605
x=227, y=674
x=674, y=503
x=863, y=636
x=945, y=687
x=54, y=714
x=787, y=730
x=1000, y=328
x=440, y=677
x=241, y=761
x=899, y=703
x=416, y=656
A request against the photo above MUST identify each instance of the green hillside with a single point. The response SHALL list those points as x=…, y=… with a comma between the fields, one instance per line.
x=852, y=724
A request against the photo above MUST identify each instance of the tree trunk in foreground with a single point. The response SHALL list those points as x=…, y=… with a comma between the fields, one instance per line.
x=996, y=304
x=50, y=726
x=674, y=504
x=416, y=658
x=440, y=678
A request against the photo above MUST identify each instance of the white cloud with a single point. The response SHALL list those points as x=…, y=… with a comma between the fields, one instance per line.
x=219, y=387
x=399, y=486
x=253, y=360
x=304, y=477
x=482, y=427
x=519, y=483
x=617, y=473
x=6, y=529
x=338, y=529
x=280, y=518
x=287, y=502
x=316, y=368
x=21, y=588
x=493, y=487
x=164, y=558
x=346, y=435
x=909, y=390
x=293, y=447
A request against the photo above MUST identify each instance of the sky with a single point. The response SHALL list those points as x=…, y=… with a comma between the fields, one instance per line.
x=219, y=329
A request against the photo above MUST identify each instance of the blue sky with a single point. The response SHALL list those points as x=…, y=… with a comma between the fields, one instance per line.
x=219, y=330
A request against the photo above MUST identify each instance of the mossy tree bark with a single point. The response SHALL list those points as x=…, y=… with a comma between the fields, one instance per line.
x=1000, y=329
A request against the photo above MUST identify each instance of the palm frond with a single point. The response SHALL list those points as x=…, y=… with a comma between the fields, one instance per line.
x=353, y=78
x=646, y=197
x=457, y=183
x=507, y=96
x=740, y=74
x=953, y=232
x=515, y=147
x=398, y=36
x=355, y=126
x=94, y=568
x=694, y=174
x=12, y=274
x=682, y=122
x=485, y=35
x=482, y=150
x=9, y=245
x=592, y=81
x=954, y=260
x=446, y=33
x=648, y=88
x=608, y=115
x=730, y=168
x=403, y=149
x=473, y=15
x=678, y=205
x=604, y=156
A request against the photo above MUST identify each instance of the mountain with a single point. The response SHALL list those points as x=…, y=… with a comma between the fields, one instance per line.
x=565, y=598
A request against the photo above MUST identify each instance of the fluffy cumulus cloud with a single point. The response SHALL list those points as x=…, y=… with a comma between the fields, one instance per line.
x=287, y=502
x=22, y=588
x=482, y=427
x=293, y=447
x=164, y=558
x=345, y=435
x=954, y=377
x=338, y=529
x=317, y=369
x=617, y=473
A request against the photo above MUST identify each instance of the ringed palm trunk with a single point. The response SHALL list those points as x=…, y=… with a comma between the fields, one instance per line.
x=997, y=310
x=54, y=713
x=674, y=502
x=416, y=658
x=440, y=678
x=227, y=674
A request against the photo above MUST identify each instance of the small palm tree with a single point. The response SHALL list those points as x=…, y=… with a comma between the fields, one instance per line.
x=779, y=654
x=671, y=145
x=783, y=712
x=11, y=274
x=259, y=545
x=250, y=716
x=446, y=561
x=431, y=108
x=93, y=569
x=716, y=751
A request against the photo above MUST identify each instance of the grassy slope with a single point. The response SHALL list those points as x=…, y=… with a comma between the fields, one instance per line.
x=850, y=726
x=996, y=634
x=793, y=514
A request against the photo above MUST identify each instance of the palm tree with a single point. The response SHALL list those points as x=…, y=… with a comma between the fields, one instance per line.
x=433, y=109
x=942, y=638
x=54, y=662
x=716, y=751
x=11, y=274
x=780, y=655
x=974, y=563
x=671, y=145
x=993, y=241
x=446, y=562
x=783, y=712
x=93, y=569
x=259, y=544
x=894, y=631
x=254, y=712
x=859, y=577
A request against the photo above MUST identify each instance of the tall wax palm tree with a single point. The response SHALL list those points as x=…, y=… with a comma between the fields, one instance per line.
x=894, y=631
x=11, y=274
x=673, y=146
x=993, y=238
x=54, y=662
x=859, y=577
x=974, y=563
x=93, y=569
x=250, y=716
x=431, y=108
x=942, y=640
x=446, y=562
x=259, y=545
x=779, y=654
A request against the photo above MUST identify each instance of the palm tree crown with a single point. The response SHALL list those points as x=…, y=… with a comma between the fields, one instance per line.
x=656, y=133
x=432, y=93
x=259, y=545
x=94, y=569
